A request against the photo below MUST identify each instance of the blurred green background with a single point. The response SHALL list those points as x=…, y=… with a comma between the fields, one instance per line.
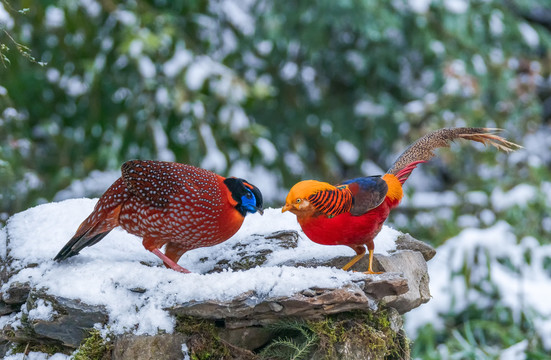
x=279, y=91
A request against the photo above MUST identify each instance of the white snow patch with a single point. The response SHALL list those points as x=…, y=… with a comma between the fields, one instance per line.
x=161, y=143
x=289, y=71
x=42, y=310
x=369, y=108
x=515, y=352
x=234, y=116
x=369, y=168
x=238, y=15
x=520, y=195
x=268, y=181
x=214, y=159
x=146, y=67
x=104, y=273
x=5, y=19
x=414, y=107
x=34, y=355
x=182, y=57
x=54, y=17
x=125, y=17
x=430, y=200
x=420, y=6
x=94, y=185
x=456, y=6
x=294, y=163
x=347, y=152
x=496, y=23
x=268, y=150
x=529, y=34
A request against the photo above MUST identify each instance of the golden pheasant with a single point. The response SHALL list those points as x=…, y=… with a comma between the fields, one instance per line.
x=167, y=203
x=353, y=212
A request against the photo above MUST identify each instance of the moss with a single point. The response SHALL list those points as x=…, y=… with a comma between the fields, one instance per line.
x=204, y=343
x=49, y=349
x=94, y=347
x=343, y=332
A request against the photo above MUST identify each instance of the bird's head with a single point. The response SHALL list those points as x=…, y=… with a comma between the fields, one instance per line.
x=297, y=200
x=247, y=197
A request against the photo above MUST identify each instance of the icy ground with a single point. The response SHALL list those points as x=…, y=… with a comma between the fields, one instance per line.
x=104, y=273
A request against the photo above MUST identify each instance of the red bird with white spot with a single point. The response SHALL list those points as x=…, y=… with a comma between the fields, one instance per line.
x=167, y=203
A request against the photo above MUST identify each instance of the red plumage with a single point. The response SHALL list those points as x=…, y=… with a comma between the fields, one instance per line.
x=172, y=204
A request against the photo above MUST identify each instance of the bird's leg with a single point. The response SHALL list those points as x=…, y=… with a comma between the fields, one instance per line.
x=153, y=245
x=171, y=264
x=370, y=266
x=360, y=251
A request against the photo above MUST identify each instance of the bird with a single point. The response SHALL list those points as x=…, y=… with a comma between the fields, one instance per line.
x=167, y=203
x=352, y=213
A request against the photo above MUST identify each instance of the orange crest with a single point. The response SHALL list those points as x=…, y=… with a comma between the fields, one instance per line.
x=303, y=189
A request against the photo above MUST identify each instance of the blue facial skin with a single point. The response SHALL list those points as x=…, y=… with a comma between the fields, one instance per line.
x=248, y=202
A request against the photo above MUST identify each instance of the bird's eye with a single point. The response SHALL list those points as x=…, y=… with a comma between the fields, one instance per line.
x=249, y=195
x=298, y=200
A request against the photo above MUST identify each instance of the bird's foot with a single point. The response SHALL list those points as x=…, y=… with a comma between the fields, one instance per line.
x=169, y=262
x=179, y=269
x=371, y=272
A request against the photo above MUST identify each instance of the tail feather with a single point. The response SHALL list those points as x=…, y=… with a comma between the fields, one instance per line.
x=98, y=224
x=78, y=243
x=423, y=149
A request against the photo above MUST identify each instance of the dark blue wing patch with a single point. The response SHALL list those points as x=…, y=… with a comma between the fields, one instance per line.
x=367, y=193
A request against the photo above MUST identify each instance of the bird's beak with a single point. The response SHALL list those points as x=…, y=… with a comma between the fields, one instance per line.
x=260, y=210
x=287, y=207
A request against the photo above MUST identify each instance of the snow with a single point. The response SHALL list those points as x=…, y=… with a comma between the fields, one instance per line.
x=37, y=356
x=54, y=17
x=238, y=16
x=294, y=163
x=42, y=311
x=182, y=57
x=198, y=72
x=268, y=150
x=94, y=185
x=520, y=195
x=146, y=67
x=5, y=19
x=272, y=192
x=415, y=107
x=420, y=6
x=457, y=6
x=234, y=116
x=214, y=160
x=496, y=22
x=369, y=108
x=104, y=273
x=529, y=34
x=347, y=152
x=161, y=143
x=515, y=352
x=522, y=286
x=289, y=71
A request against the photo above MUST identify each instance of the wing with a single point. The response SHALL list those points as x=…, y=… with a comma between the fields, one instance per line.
x=367, y=193
x=154, y=181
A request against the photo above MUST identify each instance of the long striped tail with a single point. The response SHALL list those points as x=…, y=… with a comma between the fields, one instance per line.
x=423, y=149
x=97, y=225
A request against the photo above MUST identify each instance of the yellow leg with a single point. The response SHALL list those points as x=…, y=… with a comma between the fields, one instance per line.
x=360, y=250
x=370, y=266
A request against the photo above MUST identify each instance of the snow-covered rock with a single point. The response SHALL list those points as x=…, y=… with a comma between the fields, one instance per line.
x=269, y=270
